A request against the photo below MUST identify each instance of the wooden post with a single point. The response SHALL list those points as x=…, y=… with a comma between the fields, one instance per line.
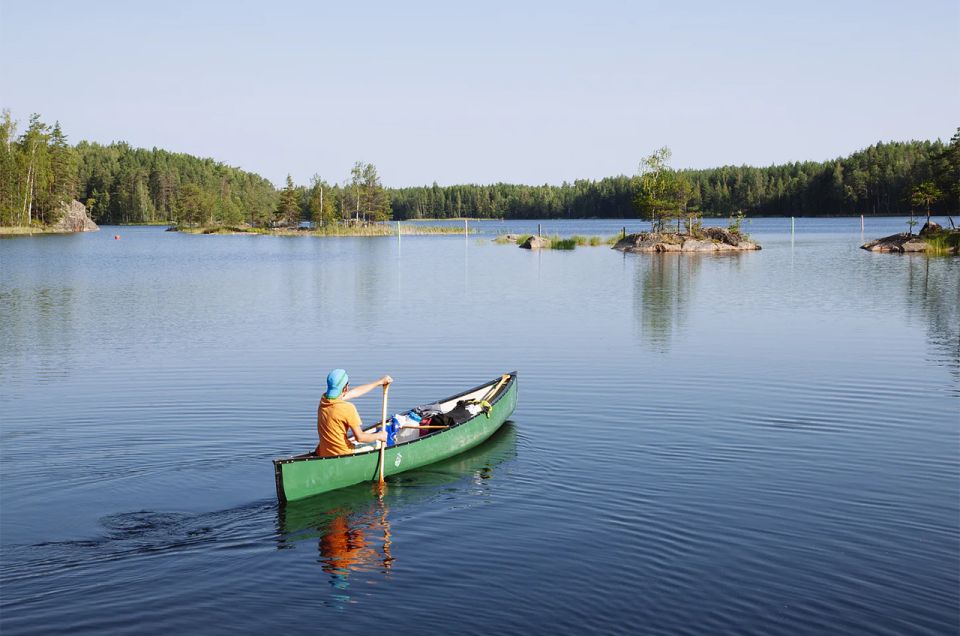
x=624, y=232
x=539, y=230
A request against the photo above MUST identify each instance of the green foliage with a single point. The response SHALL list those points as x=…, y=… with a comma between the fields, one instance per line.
x=563, y=244
x=372, y=201
x=736, y=222
x=924, y=195
x=876, y=180
x=288, y=208
x=657, y=183
x=120, y=184
x=321, y=203
x=943, y=242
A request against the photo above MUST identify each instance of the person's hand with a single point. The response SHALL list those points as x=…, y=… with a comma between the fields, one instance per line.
x=381, y=436
x=385, y=380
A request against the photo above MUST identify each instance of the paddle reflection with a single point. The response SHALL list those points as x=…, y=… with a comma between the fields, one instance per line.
x=352, y=526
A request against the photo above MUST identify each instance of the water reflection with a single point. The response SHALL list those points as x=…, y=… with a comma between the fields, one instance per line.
x=371, y=284
x=662, y=293
x=46, y=316
x=932, y=287
x=353, y=526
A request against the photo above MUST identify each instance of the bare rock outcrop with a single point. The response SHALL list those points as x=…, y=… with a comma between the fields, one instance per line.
x=711, y=239
x=73, y=218
x=907, y=243
x=535, y=243
x=898, y=243
x=930, y=228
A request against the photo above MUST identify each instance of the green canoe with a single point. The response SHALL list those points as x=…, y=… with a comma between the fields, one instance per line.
x=306, y=475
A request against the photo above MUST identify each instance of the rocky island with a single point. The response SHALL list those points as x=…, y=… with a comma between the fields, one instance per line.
x=710, y=239
x=933, y=239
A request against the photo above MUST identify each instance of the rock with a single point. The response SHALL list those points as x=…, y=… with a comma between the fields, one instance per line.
x=715, y=239
x=897, y=243
x=914, y=245
x=722, y=234
x=930, y=228
x=694, y=245
x=535, y=243
x=512, y=238
x=73, y=218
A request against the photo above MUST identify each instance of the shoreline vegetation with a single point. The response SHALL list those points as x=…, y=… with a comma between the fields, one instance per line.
x=119, y=184
x=344, y=230
x=553, y=241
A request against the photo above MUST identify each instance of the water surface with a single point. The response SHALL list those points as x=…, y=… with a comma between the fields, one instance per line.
x=762, y=443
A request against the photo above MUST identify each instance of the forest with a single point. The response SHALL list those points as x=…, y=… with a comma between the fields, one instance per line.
x=117, y=183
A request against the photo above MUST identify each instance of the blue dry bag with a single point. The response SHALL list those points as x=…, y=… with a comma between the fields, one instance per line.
x=393, y=427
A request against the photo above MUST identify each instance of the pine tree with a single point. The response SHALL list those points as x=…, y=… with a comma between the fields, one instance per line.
x=288, y=209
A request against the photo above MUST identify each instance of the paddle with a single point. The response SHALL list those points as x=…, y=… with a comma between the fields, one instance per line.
x=383, y=427
x=421, y=426
x=496, y=388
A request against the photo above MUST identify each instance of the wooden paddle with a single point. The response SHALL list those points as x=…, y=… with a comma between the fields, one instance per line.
x=383, y=427
x=493, y=392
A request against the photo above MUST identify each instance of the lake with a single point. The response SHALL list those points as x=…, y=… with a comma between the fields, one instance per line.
x=757, y=443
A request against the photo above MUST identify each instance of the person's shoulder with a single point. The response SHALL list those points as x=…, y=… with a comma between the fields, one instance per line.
x=338, y=404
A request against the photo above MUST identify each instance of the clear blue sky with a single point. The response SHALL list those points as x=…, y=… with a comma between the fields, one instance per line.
x=525, y=92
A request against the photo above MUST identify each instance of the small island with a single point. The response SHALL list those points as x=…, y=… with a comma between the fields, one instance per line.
x=708, y=239
x=933, y=239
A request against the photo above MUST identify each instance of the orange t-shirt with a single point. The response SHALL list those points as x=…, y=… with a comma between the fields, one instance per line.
x=334, y=418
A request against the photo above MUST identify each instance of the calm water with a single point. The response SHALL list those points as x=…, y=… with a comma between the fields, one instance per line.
x=765, y=443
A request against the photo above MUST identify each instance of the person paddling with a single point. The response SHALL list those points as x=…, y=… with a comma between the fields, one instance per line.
x=336, y=416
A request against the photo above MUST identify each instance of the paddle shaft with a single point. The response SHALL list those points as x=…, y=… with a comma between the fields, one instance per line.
x=494, y=390
x=383, y=420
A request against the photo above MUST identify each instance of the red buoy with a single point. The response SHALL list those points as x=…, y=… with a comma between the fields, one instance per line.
x=116, y=237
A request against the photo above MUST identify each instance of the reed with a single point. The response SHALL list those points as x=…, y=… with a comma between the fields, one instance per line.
x=943, y=242
x=373, y=229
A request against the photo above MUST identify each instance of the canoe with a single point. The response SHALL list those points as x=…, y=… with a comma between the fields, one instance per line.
x=310, y=518
x=306, y=475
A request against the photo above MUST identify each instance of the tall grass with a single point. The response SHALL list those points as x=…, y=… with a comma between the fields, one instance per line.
x=373, y=229
x=943, y=242
x=555, y=242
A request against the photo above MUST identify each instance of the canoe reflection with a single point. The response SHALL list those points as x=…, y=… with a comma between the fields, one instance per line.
x=352, y=525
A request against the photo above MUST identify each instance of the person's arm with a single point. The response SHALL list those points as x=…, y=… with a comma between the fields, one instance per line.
x=365, y=438
x=363, y=389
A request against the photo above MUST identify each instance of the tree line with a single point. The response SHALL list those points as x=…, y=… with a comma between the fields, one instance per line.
x=117, y=183
x=879, y=180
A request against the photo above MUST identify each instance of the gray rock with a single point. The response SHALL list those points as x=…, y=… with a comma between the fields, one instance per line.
x=723, y=235
x=930, y=228
x=73, y=218
x=914, y=245
x=895, y=243
x=694, y=245
x=535, y=243
x=717, y=240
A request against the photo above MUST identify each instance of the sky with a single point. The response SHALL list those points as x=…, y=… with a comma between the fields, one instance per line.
x=485, y=92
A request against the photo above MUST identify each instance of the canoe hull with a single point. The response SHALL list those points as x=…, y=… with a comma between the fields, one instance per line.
x=301, y=477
